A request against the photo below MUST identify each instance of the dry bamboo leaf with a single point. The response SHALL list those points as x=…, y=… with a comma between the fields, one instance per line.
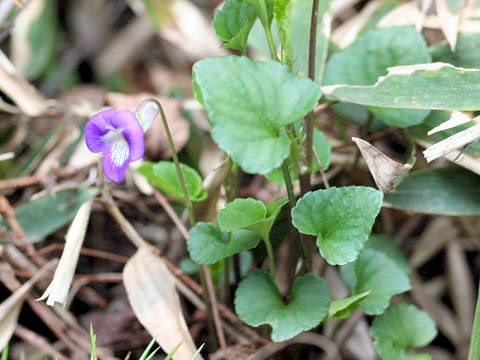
x=156, y=143
x=451, y=143
x=10, y=308
x=152, y=295
x=406, y=14
x=384, y=170
x=457, y=118
x=12, y=83
x=461, y=288
x=57, y=291
x=468, y=162
x=434, y=238
x=346, y=33
x=449, y=21
x=426, y=4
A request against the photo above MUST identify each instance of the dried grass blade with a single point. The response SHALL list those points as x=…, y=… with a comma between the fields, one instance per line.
x=57, y=291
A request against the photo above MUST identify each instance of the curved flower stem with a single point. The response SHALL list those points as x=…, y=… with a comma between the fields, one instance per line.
x=188, y=202
x=205, y=274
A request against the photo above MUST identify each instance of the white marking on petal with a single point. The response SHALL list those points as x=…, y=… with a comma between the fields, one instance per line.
x=120, y=150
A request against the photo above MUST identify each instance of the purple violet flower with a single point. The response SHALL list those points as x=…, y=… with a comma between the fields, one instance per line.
x=119, y=135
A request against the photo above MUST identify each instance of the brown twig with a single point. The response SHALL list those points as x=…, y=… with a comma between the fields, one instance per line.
x=38, y=341
x=86, y=251
x=9, y=212
x=213, y=299
x=223, y=310
x=125, y=226
x=26, y=181
x=171, y=213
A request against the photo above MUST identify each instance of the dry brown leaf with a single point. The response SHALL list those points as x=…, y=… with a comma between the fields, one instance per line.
x=449, y=21
x=152, y=295
x=10, y=308
x=156, y=143
x=383, y=169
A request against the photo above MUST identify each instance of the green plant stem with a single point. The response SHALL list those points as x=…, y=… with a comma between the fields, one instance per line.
x=226, y=272
x=205, y=274
x=289, y=185
x=271, y=44
x=474, y=351
x=271, y=259
x=188, y=202
x=305, y=180
x=291, y=205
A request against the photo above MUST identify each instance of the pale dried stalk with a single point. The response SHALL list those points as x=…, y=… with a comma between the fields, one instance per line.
x=57, y=291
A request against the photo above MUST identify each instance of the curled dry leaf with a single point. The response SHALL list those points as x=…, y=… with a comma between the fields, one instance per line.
x=384, y=170
x=156, y=143
x=57, y=291
x=10, y=308
x=152, y=295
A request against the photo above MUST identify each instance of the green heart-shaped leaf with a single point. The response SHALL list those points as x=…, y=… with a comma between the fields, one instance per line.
x=248, y=103
x=258, y=302
x=249, y=214
x=233, y=24
x=342, y=308
x=164, y=175
x=382, y=268
x=342, y=218
x=402, y=327
x=369, y=57
x=207, y=244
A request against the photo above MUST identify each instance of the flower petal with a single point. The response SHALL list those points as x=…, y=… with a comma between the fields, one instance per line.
x=146, y=112
x=127, y=123
x=116, y=160
x=97, y=127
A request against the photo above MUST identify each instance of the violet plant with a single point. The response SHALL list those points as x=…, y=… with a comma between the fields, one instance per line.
x=262, y=116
